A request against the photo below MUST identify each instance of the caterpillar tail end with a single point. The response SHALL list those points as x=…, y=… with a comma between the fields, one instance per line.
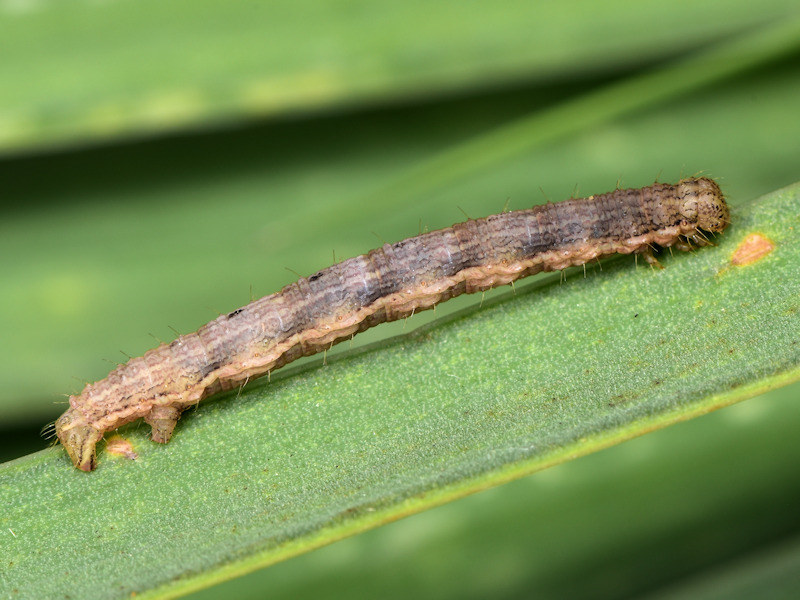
x=79, y=439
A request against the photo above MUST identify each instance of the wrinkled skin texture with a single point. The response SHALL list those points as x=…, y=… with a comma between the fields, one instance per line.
x=388, y=283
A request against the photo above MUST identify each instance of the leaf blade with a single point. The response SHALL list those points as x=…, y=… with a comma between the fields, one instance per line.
x=82, y=72
x=419, y=420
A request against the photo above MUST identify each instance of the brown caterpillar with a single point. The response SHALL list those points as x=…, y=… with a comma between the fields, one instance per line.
x=386, y=284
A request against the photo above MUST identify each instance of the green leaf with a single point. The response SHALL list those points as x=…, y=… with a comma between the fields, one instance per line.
x=87, y=71
x=113, y=245
x=102, y=246
x=528, y=380
x=709, y=504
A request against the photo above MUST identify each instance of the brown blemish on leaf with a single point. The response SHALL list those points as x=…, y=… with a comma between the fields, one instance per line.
x=752, y=249
x=121, y=447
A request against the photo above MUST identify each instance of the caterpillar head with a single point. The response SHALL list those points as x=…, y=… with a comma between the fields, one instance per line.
x=703, y=204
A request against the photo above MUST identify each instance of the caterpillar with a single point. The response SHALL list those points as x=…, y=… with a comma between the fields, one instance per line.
x=386, y=284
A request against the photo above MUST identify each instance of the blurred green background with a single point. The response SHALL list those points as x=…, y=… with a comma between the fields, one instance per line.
x=161, y=163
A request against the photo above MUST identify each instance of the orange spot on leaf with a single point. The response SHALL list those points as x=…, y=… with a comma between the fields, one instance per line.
x=752, y=249
x=121, y=447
